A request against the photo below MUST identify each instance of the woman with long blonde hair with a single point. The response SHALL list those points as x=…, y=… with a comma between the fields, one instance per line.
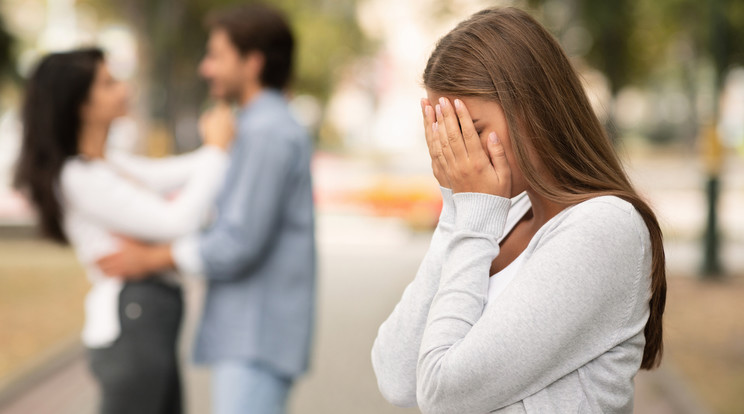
x=544, y=285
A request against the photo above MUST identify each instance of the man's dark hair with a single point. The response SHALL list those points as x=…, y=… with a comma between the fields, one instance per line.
x=258, y=27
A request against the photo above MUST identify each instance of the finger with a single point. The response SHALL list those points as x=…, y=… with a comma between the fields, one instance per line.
x=109, y=269
x=428, y=116
x=498, y=157
x=224, y=110
x=122, y=238
x=436, y=152
x=435, y=147
x=110, y=264
x=469, y=134
x=432, y=141
x=441, y=147
x=426, y=104
x=105, y=260
x=441, y=133
x=452, y=128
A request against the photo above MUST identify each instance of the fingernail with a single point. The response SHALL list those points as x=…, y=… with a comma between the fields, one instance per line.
x=458, y=103
x=493, y=138
x=442, y=101
x=439, y=110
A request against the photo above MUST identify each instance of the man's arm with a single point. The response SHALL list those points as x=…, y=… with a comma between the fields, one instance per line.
x=246, y=224
x=135, y=260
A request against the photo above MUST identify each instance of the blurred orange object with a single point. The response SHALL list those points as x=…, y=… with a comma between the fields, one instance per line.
x=415, y=200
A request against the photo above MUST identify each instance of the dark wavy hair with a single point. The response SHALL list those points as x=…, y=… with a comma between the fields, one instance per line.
x=55, y=93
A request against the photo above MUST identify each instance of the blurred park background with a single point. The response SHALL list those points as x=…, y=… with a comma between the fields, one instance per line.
x=665, y=76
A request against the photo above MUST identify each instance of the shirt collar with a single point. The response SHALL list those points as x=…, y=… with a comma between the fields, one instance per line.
x=266, y=95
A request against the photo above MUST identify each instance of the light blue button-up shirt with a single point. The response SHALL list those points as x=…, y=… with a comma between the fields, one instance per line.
x=259, y=255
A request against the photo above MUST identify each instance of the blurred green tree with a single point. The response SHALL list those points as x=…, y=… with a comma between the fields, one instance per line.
x=172, y=38
x=630, y=37
x=705, y=34
x=633, y=39
x=610, y=26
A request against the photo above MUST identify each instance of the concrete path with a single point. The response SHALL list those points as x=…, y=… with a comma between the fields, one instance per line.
x=361, y=279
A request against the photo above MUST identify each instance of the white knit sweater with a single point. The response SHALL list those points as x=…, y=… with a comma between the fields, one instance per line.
x=566, y=334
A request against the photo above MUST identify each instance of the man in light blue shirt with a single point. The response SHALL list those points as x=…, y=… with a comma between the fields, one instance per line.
x=258, y=256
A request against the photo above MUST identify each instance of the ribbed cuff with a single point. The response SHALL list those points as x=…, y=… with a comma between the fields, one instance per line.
x=448, y=206
x=213, y=151
x=481, y=213
x=186, y=255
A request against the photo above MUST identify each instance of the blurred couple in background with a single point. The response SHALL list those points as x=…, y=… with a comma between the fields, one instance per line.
x=238, y=212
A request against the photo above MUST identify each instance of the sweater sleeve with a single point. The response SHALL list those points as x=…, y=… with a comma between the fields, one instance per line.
x=395, y=350
x=162, y=175
x=569, y=303
x=130, y=210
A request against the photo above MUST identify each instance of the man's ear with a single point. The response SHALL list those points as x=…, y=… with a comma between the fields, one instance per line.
x=253, y=64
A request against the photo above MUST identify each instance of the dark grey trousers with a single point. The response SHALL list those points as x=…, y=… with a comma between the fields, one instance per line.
x=139, y=373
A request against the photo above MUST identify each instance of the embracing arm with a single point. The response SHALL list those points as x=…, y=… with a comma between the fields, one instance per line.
x=132, y=211
x=162, y=175
x=395, y=350
x=167, y=174
x=571, y=302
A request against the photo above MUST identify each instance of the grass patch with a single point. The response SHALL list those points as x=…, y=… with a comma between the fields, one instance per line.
x=42, y=288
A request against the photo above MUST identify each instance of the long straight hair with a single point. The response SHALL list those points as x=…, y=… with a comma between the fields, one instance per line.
x=55, y=94
x=506, y=56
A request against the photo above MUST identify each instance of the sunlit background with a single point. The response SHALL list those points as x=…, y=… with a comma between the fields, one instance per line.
x=666, y=77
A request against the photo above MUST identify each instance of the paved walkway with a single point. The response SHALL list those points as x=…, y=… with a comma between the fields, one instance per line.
x=360, y=282
x=362, y=277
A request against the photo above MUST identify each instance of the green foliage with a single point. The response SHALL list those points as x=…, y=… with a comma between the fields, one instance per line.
x=612, y=50
x=633, y=37
x=173, y=36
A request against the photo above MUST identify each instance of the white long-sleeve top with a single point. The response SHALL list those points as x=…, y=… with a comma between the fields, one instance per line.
x=564, y=335
x=126, y=195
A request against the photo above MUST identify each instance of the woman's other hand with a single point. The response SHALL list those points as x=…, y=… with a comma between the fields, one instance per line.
x=435, y=149
x=217, y=126
x=460, y=153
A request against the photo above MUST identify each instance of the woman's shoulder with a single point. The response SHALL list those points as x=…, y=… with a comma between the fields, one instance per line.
x=81, y=176
x=607, y=200
x=607, y=207
x=606, y=217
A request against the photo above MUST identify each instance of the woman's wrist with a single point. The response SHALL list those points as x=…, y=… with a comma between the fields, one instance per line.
x=481, y=213
x=215, y=146
x=215, y=149
x=447, y=214
x=160, y=257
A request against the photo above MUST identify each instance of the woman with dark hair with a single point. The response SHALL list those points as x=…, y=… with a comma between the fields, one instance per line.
x=86, y=197
x=544, y=285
